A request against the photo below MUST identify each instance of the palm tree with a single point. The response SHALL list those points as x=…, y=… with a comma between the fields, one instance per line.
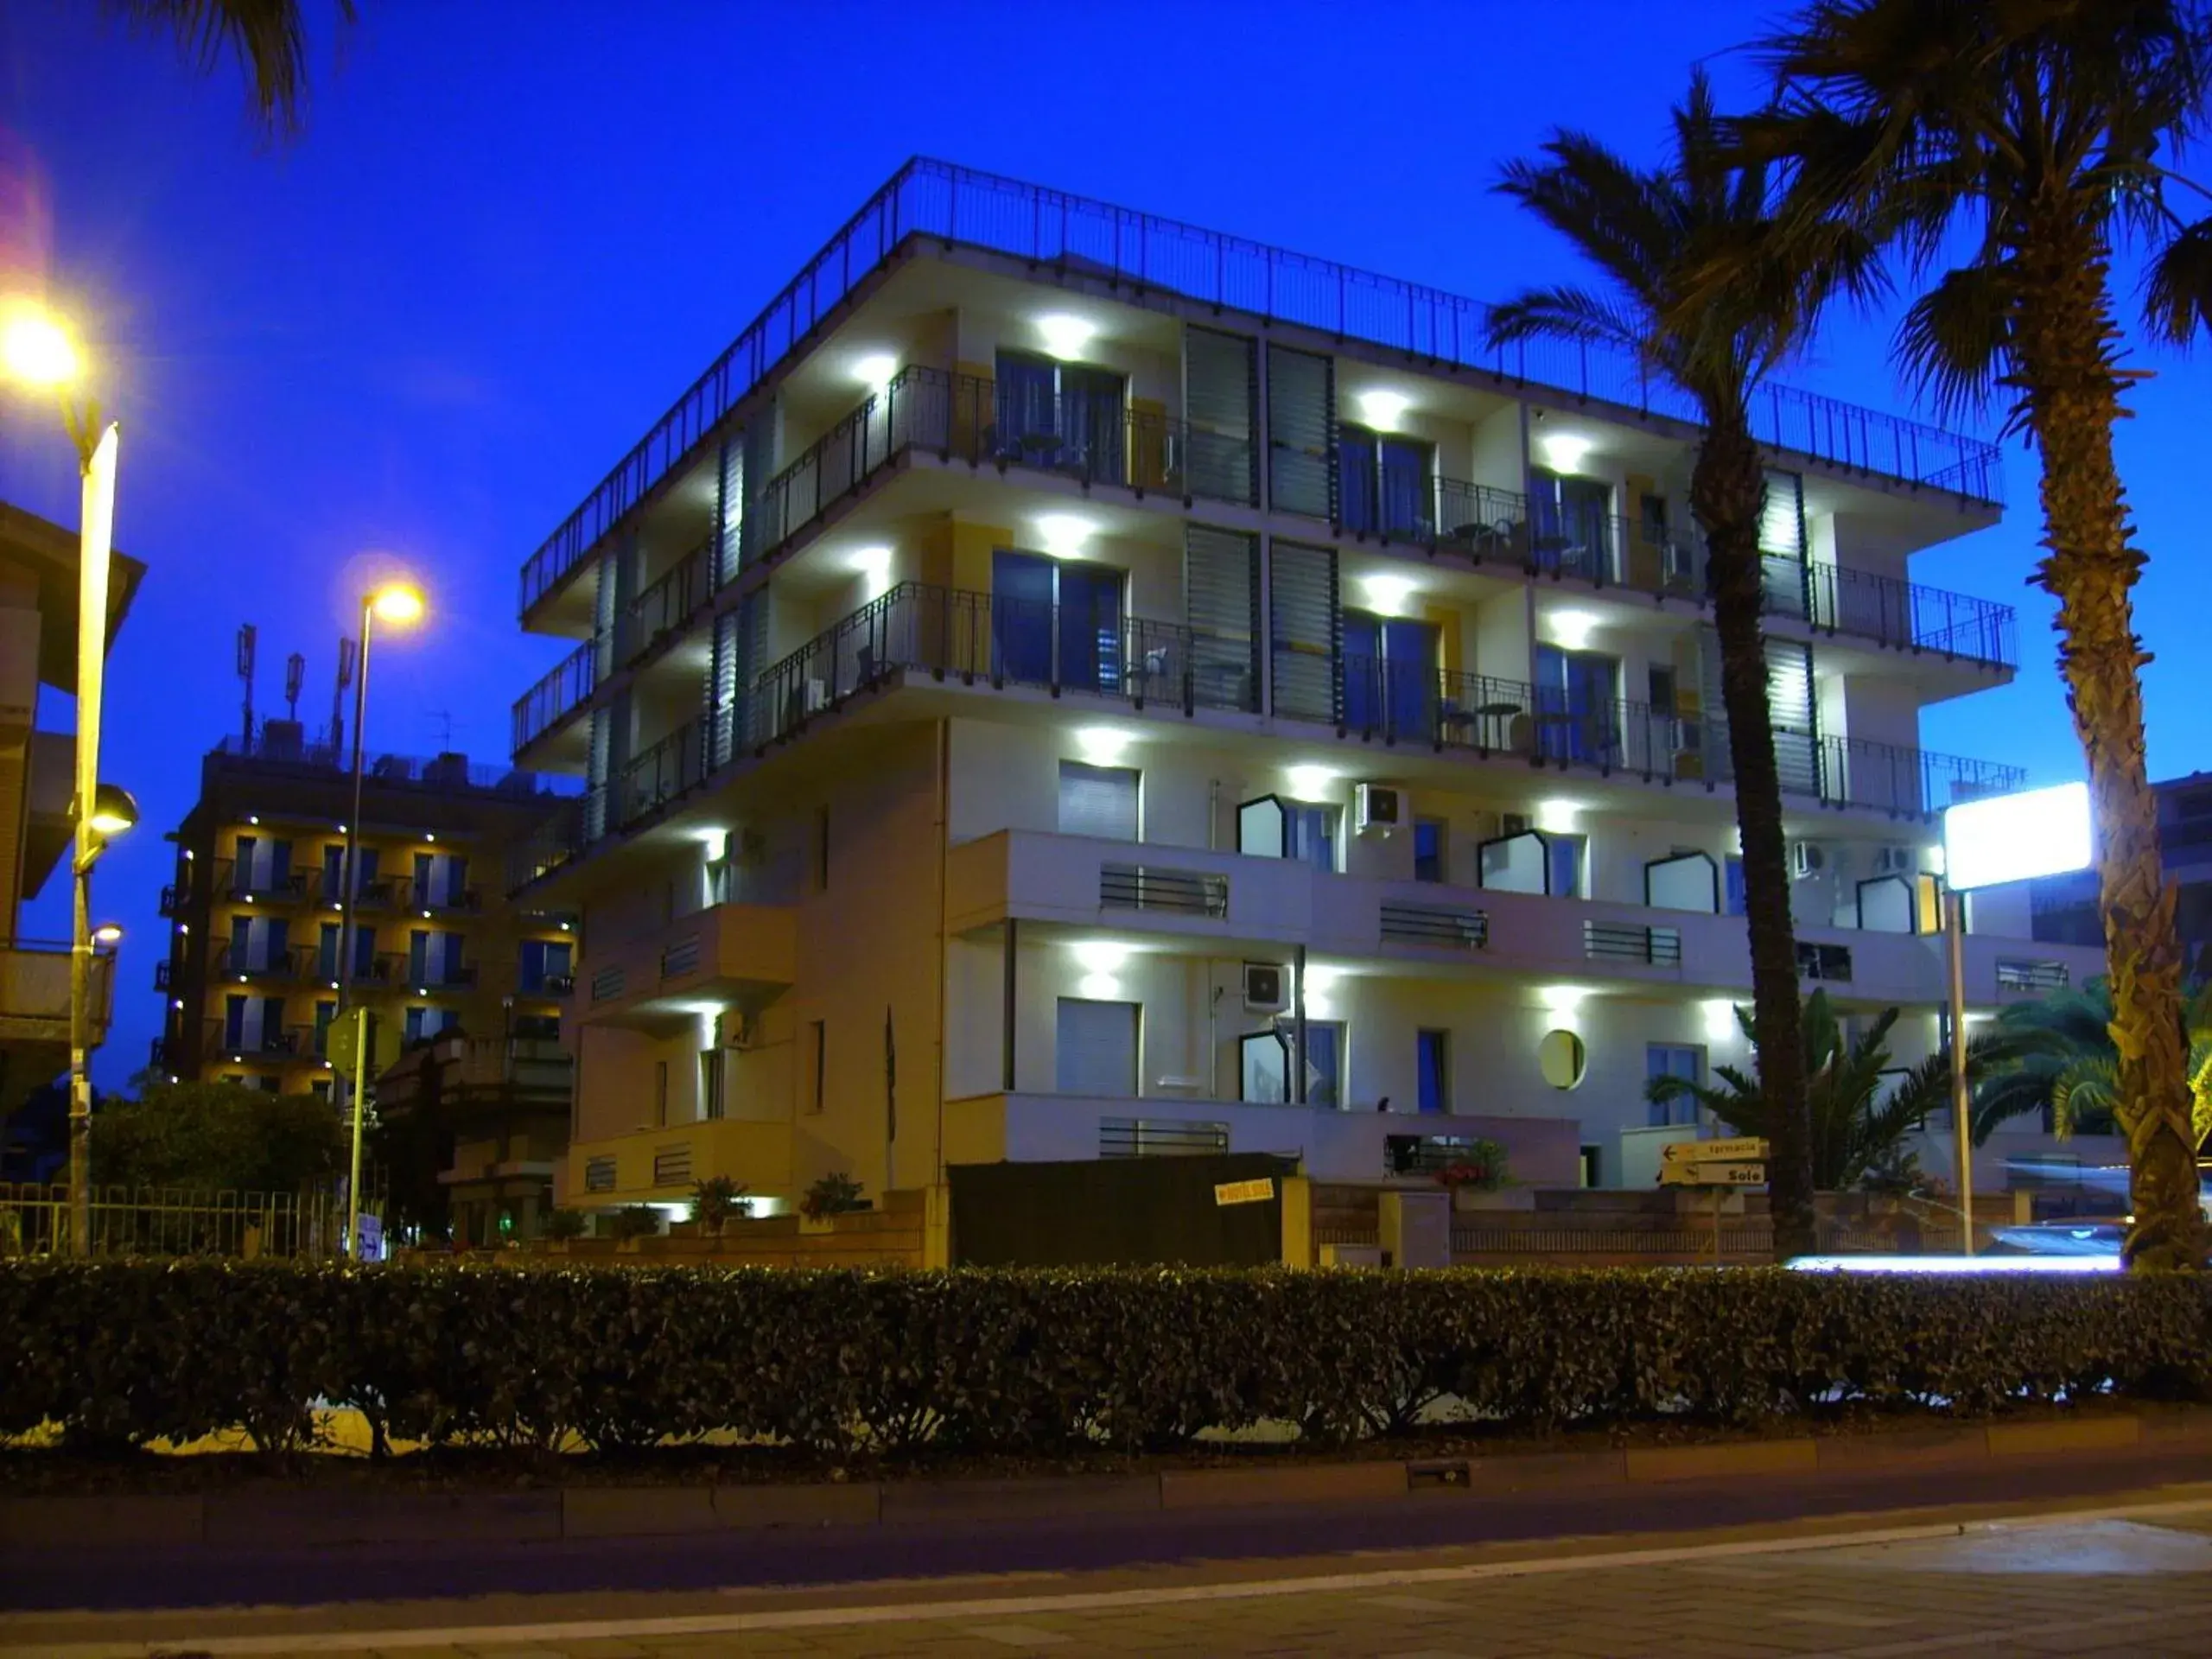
x=1857, y=1129
x=2036, y=132
x=269, y=39
x=1650, y=232
x=2068, y=1065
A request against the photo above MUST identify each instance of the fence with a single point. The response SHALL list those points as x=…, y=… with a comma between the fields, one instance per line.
x=34, y=1220
x=959, y=205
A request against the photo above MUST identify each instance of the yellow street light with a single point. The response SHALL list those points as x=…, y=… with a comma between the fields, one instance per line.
x=109, y=934
x=36, y=349
x=398, y=602
x=113, y=810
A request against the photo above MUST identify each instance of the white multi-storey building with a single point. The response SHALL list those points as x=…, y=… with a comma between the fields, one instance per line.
x=1068, y=684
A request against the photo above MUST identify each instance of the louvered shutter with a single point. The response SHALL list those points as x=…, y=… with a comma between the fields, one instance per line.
x=1782, y=543
x=1096, y=1051
x=1219, y=393
x=729, y=509
x=1789, y=701
x=1305, y=635
x=761, y=527
x=1301, y=432
x=1221, y=604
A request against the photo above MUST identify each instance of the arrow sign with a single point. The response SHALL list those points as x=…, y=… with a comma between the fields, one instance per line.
x=1732, y=1174
x=1745, y=1148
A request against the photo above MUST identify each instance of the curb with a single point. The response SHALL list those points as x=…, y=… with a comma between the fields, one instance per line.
x=294, y=1518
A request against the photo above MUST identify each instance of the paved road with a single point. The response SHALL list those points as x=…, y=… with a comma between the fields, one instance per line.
x=2041, y=1558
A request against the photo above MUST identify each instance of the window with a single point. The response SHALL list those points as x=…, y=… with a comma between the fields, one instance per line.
x=1095, y=1049
x=1099, y=801
x=817, y=1079
x=1066, y=416
x=1592, y=1166
x=1660, y=686
x=1390, y=675
x=710, y=1083
x=433, y=958
x=1429, y=839
x=1264, y=1068
x=320, y=1088
x=1571, y=525
x=1056, y=621
x=1575, y=716
x=1387, y=483
x=1673, y=1060
x=324, y=1014
x=333, y=870
x=660, y=1092
x=1565, y=862
x=1310, y=834
x=822, y=849
x=545, y=961
x=1431, y=1049
x=424, y=1023
x=440, y=880
x=1652, y=509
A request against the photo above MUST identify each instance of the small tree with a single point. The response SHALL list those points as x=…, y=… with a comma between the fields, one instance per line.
x=563, y=1224
x=834, y=1194
x=1479, y=1166
x=634, y=1221
x=715, y=1201
x=217, y=1137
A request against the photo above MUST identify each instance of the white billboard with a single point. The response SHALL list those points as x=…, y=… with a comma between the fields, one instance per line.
x=2014, y=837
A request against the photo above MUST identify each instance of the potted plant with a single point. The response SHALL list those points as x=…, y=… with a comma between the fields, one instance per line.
x=715, y=1201
x=631, y=1223
x=1480, y=1177
x=564, y=1228
x=834, y=1194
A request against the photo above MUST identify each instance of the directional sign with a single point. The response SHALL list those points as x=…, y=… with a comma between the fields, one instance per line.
x=1712, y=1175
x=1745, y=1148
x=1259, y=1192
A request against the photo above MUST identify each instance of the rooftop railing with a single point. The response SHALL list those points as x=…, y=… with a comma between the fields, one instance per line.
x=961, y=205
x=442, y=772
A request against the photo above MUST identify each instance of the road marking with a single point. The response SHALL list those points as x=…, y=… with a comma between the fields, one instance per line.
x=1418, y=1604
x=802, y=1618
x=1019, y=1636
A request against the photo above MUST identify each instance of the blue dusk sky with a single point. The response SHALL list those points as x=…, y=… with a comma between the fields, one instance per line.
x=510, y=234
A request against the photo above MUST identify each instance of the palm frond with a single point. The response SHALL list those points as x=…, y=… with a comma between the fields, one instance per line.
x=268, y=39
x=1953, y=337
x=1570, y=314
x=2177, y=285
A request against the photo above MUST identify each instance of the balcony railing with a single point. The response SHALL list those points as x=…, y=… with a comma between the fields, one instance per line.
x=1842, y=600
x=563, y=690
x=453, y=976
x=444, y=771
x=960, y=205
x=439, y=896
x=1150, y=887
x=980, y=637
x=1660, y=947
x=661, y=611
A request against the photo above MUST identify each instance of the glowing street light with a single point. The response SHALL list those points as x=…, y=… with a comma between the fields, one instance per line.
x=36, y=349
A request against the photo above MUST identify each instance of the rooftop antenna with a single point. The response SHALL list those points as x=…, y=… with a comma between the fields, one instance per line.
x=246, y=675
x=442, y=718
x=338, y=698
x=295, y=670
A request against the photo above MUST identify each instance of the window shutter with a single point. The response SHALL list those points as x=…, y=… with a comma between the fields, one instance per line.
x=1096, y=1048
x=1790, y=697
x=1301, y=434
x=1306, y=633
x=1221, y=603
x=1098, y=801
x=1219, y=392
x=1781, y=543
x=729, y=508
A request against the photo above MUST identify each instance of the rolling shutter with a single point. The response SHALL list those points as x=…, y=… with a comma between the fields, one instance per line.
x=1218, y=396
x=1221, y=604
x=1096, y=1052
x=1306, y=634
x=1301, y=432
x=1098, y=801
x=1782, y=543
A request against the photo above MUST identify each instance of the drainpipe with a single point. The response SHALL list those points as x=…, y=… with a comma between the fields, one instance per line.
x=1298, y=1024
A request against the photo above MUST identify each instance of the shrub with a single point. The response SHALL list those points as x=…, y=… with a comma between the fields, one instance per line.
x=566, y=1224
x=834, y=1194
x=1480, y=1166
x=715, y=1200
x=633, y=1221
x=121, y=1353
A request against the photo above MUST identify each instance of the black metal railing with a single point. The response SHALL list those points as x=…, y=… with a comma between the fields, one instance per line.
x=433, y=895
x=1830, y=964
x=660, y=612
x=164, y=973
x=1148, y=886
x=1660, y=947
x=564, y=690
x=174, y=898
x=1842, y=600
x=960, y=205
x=2013, y=975
x=448, y=977
x=1159, y=1137
x=1435, y=924
x=444, y=771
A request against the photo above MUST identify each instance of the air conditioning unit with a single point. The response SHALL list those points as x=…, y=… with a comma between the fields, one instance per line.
x=1377, y=809
x=817, y=695
x=1893, y=861
x=1267, y=988
x=1807, y=858
x=733, y=1029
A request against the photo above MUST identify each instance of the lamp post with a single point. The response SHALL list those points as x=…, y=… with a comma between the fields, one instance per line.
x=37, y=351
x=397, y=603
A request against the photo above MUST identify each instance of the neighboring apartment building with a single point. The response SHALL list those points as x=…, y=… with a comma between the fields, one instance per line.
x=2065, y=907
x=255, y=955
x=38, y=648
x=486, y=1120
x=1067, y=685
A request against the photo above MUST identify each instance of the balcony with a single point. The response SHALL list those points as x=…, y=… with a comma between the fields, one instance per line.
x=661, y=613
x=442, y=898
x=660, y=1166
x=726, y=951
x=953, y=205
x=563, y=690
x=1332, y=1145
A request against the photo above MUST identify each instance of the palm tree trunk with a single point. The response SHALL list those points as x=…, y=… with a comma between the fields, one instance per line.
x=2063, y=349
x=1727, y=494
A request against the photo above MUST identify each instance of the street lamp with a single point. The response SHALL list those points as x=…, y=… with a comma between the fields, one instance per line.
x=396, y=603
x=38, y=351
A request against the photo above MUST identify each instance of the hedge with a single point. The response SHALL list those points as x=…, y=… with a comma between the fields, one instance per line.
x=126, y=1353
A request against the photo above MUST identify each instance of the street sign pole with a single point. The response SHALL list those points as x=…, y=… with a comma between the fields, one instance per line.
x=1961, y=1106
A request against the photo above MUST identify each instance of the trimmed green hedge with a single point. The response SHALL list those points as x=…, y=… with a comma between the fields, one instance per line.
x=125, y=1353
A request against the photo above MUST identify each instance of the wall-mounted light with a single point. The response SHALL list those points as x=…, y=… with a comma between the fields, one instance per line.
x=873, y=565
x=1720, y=1025
x=1064, y=534
x=1065, y=336
x=1564, y=451
x=876, y=371
x=1387, y=595
x=1100, y=988
x=1571, y=630
x=1383, y=408
x=1101, y=956
x=1558, y=814
x=1562, y=999
x=1312, y=783
x=1102, y=745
